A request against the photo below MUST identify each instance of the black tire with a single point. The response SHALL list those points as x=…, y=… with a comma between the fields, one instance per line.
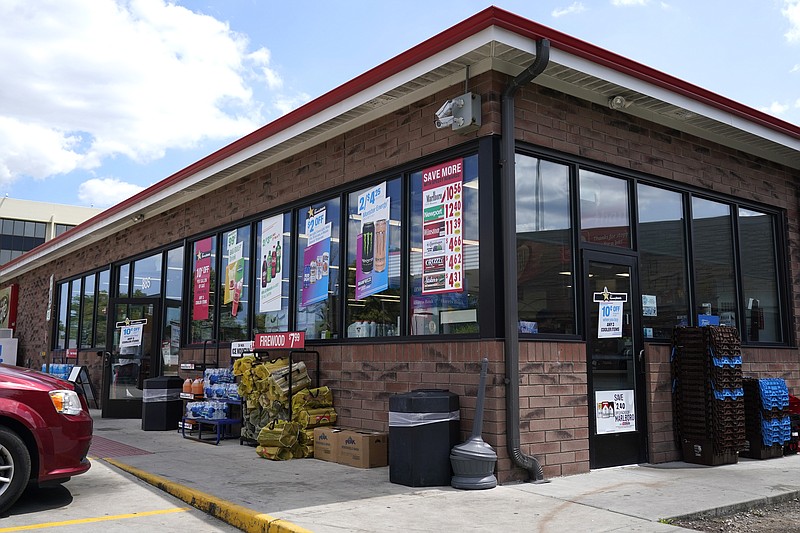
x=15, y=468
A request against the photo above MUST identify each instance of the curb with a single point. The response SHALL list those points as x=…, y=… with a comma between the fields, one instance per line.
x=231, y=513
x=738, y=507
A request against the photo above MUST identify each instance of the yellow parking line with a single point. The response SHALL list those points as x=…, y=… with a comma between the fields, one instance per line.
x=90, y=520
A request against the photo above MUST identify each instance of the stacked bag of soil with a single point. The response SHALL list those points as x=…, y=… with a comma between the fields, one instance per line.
x=281, y=421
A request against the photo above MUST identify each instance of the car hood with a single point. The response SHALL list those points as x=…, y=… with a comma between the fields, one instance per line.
x=29, y=378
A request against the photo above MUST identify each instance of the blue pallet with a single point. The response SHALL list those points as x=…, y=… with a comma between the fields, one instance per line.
x=776, y=430
x=774, y=393
x=723, y=394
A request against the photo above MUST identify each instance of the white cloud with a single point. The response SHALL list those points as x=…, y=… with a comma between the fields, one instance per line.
x=283, y=103
x=776, y=108
x=792, y=12
x=576, y=7
x=621, y=3
x=795, y=68
x=87, y=80
x=106, y=192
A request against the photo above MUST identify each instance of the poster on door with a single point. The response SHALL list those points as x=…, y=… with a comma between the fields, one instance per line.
x=615, y=411
x=271, y=261
x=316, y=259
x=130, y=335
x=372, y=246
x=442, y=228
x=202, y=279
x=609, y=316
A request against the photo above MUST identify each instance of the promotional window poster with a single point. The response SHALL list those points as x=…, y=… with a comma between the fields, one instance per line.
x=271, y=261
x=202, y=279
x=316, y=259
x=443, y=229
x=372, y=245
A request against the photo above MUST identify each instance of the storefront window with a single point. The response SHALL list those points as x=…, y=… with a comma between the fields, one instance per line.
x=604, y=210
x=87, y=312
x=759, y=277
x=318, y=270
x=234, y=285
x=662, y=261
x=147, y=276
x=444, y=267
x=715, y=287
x=124, y=280
x=374, y=252
x=545, y=274
x=274, y=250
x=61, y=329
x=74, y=313
x=203, y=289
x=101, y=322
x=173, y=300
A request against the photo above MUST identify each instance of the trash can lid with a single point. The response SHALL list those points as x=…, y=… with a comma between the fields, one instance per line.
x=424, y=401
x=163, y=382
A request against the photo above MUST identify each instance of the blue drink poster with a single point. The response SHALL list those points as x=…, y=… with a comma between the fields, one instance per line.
x=316, y=259
x=372, y=245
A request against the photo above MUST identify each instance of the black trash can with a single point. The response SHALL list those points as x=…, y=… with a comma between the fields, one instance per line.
x=162, y=407
x=424, y=425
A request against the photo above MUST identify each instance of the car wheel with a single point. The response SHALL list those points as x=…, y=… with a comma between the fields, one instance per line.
x=15, y=468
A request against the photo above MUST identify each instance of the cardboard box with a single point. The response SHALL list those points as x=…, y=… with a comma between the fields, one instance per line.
x=363, y=449
x=326, y=443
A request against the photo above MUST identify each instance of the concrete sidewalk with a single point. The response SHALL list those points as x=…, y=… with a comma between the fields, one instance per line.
x=255, y=494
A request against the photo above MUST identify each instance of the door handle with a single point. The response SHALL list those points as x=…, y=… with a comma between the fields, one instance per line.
x=641, y=355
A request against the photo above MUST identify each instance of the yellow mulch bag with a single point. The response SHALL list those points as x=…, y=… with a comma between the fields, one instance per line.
x=312, y=399
x=279, y=433
x=311, y=418
x=275, y=453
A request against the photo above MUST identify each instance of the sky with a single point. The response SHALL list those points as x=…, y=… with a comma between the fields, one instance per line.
x=100, y=99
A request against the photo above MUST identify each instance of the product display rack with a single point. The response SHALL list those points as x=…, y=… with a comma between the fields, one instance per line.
x=220, y=428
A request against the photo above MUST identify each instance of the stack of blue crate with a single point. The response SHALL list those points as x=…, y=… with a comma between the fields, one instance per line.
x=768, y=425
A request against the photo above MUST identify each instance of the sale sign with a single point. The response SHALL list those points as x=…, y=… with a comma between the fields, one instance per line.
x=372, y=246
x=443, y=228
x=202, y=279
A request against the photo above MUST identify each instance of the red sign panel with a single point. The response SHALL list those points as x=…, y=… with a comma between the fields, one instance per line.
x=72, y=353
x=285, y=340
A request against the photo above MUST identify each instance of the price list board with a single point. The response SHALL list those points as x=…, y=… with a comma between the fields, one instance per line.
x=443, y=228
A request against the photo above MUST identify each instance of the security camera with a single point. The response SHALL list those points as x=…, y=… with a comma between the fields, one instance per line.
x=446, y=109
x=442, y=123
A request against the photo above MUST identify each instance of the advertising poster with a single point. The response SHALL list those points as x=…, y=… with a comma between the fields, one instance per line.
x=443, y=229
x=372, y=246
x=609, y=316
x=271, y=260
x=130, y=335
x=202, y=279
x=316, y=259
x=615, y=411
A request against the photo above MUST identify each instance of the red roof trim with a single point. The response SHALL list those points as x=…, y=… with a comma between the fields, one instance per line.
x=492, y=16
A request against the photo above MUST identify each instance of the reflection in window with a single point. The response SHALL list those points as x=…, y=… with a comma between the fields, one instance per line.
x=61, y=333
x=147, y=276
x=101, y=323
x=545, y=277
x=74, y=313
x=442, y=300
x=373, y=260
x=715, y=286
x=171, y=334
x=662, y=261
x=273, y=248
x=124, y=280
x=318, y=270
x=234, y=285
x=203, y=289
x=604, y=210
x=759, y=277
x=87, y=312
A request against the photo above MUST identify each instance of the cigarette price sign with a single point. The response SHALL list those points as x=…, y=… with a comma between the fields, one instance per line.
x=285, y=340
x=443, y=228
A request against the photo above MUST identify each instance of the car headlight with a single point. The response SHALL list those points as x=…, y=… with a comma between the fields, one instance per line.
x=66, y=402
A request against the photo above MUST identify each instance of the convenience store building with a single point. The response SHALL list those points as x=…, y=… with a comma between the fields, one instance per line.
x=501, y=190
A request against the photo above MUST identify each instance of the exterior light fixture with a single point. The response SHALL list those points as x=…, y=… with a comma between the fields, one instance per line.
x=618, y=102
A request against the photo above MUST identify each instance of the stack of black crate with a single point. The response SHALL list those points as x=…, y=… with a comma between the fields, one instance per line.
x=767, y=420
x=708, y=398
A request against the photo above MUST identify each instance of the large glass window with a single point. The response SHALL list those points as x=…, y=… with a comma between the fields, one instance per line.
x=715, y=287
x=374, y=250
x=147, y=276
x=545, y=274
x=74, y=313
x=759, y=277
x=318, y=270
x=273, y=248
x=444, y=267
x=101, y=323
x=662, y=261
x=234, y=285
x=173, y=304
x=124, y=280
x=605, y=211
x=87, y=312
x=203, y=289
x=63, y=308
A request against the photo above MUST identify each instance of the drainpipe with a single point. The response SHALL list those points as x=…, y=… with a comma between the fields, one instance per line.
x=509, y=225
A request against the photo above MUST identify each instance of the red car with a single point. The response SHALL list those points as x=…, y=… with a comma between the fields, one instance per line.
x=45, y=431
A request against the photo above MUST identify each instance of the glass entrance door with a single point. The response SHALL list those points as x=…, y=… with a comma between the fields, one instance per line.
x=133, y=356
x=616, y=374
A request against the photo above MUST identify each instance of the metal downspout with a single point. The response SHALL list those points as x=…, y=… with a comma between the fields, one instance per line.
x=509, y=226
